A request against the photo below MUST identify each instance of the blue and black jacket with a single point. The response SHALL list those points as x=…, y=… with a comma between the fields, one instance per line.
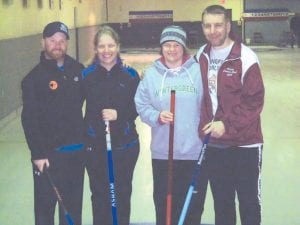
x=114, y=89
x=52, y=107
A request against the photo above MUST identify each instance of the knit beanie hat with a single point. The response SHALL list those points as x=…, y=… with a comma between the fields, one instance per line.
x=173, y=33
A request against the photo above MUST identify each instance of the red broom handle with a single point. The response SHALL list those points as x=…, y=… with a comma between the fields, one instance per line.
x=170, y=162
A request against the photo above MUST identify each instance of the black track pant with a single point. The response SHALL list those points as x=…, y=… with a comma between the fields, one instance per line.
x=235, y=171
x=124, y=162
x=182, y=176
x=67, y=172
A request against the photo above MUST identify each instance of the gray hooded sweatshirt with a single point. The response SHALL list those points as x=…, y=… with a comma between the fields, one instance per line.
x=153, y=96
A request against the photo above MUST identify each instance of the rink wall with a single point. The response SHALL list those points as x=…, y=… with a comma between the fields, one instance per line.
x=21, y=26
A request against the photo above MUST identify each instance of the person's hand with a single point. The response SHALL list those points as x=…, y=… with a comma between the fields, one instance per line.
x=216, y=128
x=165, y=117
x=41, y=163
x=109, y=114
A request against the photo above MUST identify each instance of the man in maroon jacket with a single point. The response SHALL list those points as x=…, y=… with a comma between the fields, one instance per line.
x=233, y=101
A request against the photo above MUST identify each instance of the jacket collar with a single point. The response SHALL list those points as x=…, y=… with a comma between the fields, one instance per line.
x=51, y=63
x=235, y=51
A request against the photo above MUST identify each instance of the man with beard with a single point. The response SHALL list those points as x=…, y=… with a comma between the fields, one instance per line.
x=53, y=125
x=233, y=101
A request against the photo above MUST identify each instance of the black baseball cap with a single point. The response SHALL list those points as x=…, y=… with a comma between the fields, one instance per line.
x=54, y=27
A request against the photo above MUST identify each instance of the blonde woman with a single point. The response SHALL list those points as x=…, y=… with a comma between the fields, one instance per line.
x=109, y=87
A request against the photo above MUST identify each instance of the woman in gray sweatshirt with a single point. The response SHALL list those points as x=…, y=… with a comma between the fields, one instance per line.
x=175, y=70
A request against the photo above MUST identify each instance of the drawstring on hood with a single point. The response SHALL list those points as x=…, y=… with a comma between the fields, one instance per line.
x=174, y=71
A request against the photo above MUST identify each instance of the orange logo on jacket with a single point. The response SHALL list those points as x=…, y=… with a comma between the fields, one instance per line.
x=53, y=85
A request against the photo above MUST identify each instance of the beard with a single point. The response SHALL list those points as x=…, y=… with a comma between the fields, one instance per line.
x=56, y=54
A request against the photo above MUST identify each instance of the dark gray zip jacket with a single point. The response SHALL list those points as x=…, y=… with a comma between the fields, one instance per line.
x=114, y=89
x=52, y=106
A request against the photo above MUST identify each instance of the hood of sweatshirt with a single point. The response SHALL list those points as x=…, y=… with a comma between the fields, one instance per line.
x=182, y=70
